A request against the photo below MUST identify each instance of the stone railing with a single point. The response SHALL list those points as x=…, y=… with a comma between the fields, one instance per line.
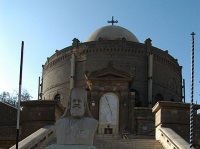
x=38, y=139
x=170, y=139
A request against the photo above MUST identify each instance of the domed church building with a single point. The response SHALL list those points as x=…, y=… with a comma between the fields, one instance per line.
x=123, y=76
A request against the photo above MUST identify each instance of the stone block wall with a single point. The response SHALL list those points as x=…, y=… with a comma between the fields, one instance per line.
x=131, y=57
x=197, y=134
x=8, y=122
x=8, y=115
x=37, y=114
x=144, y=122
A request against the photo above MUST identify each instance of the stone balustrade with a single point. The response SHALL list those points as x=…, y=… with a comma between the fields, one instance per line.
x=38, y=140
x=170, y=139
x=172, y=123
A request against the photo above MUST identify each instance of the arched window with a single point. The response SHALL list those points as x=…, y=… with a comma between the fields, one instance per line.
x=57, y=97
x=157, y=98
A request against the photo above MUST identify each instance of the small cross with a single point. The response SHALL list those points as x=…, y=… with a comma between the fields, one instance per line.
x=112, y=21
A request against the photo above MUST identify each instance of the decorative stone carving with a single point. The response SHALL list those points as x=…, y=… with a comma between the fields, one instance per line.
x=75, y=42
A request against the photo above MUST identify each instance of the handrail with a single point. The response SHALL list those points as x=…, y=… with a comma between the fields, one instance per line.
x=170, y=139
x=37, y=139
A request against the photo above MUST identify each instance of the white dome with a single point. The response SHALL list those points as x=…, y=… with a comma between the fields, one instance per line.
x=112, y=32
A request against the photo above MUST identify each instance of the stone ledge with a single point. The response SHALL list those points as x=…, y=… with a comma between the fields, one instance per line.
x=173, y=105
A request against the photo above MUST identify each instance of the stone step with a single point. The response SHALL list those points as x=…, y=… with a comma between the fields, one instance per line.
x=117, y=143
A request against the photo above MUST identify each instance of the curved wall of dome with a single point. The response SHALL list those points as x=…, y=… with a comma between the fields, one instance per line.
x=118, y=66
x=112, y=32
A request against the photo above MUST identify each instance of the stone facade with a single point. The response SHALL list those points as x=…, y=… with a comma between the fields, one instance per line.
x=144, y=122
x=131, y=57
x=137, y=74
x=116, y=66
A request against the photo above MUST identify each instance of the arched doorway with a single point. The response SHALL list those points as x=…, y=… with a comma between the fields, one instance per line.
x=109, y=114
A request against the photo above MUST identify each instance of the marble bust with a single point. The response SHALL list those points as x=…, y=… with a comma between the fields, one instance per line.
x=76, y=126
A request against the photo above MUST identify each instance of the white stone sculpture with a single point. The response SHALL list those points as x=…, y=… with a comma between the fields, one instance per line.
x=76, y=126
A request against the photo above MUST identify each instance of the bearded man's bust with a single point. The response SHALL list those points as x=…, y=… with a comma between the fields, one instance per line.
x=76, y=125
x=70, y=131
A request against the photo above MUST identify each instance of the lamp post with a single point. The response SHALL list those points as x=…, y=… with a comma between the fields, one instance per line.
x=192, y=92
x=19, y=95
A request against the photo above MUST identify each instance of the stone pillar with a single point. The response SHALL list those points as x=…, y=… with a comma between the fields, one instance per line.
x=131, y=112
x=150, y=79
x=72, y=69
x=150, y=70
x=75, y=44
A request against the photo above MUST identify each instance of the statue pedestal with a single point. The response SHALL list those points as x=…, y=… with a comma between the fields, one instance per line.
x=69, y=146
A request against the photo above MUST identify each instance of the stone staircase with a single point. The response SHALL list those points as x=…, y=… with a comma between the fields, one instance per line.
x=116, y=142
x=109, y=142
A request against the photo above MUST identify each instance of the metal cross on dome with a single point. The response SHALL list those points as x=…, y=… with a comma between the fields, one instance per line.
x=112, y=21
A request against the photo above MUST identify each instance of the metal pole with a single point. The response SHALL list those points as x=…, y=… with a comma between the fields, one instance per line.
x=184, y=90
x=192, y=92
x=41, y=92
x=19, y=95
x=39, y=88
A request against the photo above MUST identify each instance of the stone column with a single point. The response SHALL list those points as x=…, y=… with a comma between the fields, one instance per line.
x=72, y=69
x=150, y=70
x=131, y=111
x=150, y=80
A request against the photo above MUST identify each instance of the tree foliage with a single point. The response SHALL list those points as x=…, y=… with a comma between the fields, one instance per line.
x=12, y=98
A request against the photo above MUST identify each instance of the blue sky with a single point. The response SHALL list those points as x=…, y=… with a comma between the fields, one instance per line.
x=48, y=25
